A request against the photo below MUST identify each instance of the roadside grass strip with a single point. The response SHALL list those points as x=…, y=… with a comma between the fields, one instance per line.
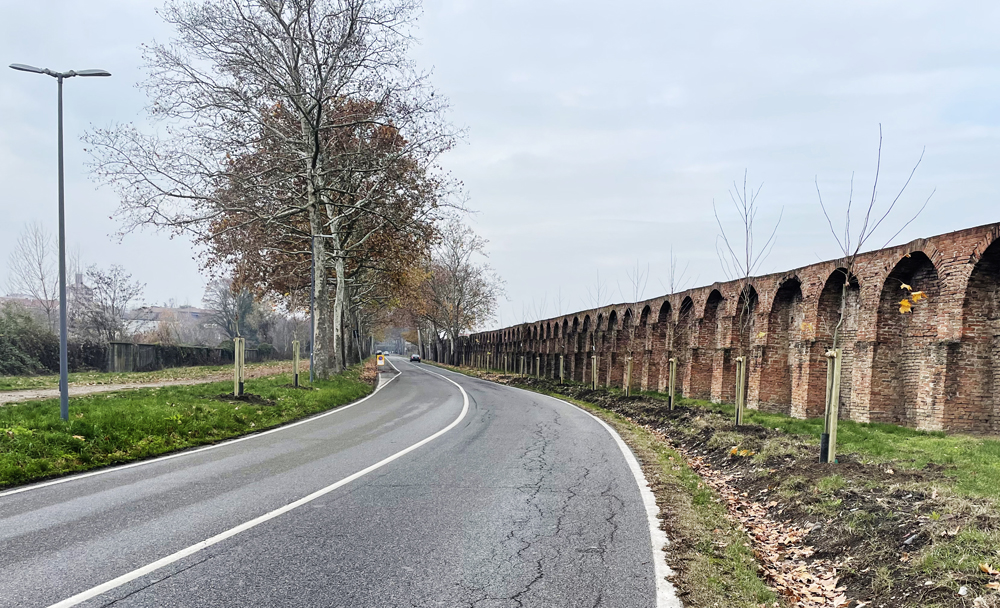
x=972, y=462
x=113, y=428
x=51, y=381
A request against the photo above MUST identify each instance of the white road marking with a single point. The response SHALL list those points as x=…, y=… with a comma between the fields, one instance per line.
x=160, y=563
x=140, y=463
x=666, y=595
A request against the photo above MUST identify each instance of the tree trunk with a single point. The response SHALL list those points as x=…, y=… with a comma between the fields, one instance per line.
x=321, y=295
x=338, y=300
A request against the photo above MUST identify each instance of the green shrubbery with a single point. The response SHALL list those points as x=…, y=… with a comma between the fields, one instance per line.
x=26, y=346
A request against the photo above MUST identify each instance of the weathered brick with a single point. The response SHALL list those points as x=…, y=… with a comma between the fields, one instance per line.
x=935, y=368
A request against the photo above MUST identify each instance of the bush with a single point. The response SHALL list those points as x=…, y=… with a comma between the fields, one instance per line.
x=265, y=350
x=26, y=346
x=86, y=356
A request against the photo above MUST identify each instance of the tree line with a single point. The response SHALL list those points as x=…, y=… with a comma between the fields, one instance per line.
x=299, y=145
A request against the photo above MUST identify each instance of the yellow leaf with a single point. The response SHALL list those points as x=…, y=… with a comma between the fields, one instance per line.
x=905, y=306
x=988, y=569
x=918, y=295
x=994, y=586
x=81, y=438
x=906, y=287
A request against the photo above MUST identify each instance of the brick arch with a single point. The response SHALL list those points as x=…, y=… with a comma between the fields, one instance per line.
x=663, y=316
x=783, y=331
x=663, y=323
x=744, y=318
x=921, y=247
x=973, y=380
x=703, y=353
x=983, y=244
x=904, y=354
x=613, y=320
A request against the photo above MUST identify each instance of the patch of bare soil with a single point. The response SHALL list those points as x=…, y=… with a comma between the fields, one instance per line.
x=244, y=398
x=300, y=387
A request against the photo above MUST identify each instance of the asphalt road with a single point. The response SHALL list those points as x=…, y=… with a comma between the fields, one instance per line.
x=505, y=498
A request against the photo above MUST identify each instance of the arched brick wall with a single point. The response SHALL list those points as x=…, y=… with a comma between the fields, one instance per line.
x=934, y=368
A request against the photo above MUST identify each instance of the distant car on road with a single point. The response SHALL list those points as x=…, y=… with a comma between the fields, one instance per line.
x=415, y=358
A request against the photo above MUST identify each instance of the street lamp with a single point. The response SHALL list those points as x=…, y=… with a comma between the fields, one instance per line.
x=63, y=357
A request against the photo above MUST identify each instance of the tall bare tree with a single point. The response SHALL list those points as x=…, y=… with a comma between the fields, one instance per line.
x=851, y=240
x=233, y=309
x=637, y=279
x=460, y=292
x=32, y=270
x=113, y=294
x=741, y=254
x=243, y=75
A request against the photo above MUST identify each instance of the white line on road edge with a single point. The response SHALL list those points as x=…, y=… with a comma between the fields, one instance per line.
x=160, y=563
x=666, y=595
x=132, y=465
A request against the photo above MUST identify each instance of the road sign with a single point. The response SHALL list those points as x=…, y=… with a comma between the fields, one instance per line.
x=381, y=360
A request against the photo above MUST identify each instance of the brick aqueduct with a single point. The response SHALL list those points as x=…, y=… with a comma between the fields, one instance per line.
x=935, y=368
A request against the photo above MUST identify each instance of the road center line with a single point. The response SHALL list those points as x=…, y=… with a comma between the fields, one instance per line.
x=160, y=563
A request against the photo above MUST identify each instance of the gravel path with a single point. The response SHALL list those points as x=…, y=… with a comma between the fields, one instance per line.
x=89, y=389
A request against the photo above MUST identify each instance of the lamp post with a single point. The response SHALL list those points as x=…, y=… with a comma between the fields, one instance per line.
x=63, y=358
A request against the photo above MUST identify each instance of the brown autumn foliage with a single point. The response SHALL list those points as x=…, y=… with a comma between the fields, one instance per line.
x=383, y=198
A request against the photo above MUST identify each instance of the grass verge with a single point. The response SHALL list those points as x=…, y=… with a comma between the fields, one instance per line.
x=973, y=463
x=51, y=381
x=114, y=428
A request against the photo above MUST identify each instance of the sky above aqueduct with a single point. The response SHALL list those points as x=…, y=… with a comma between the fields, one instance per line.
x=598, y=133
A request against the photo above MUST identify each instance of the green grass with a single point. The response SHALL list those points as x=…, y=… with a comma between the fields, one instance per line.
x=112, y=428
x=16, y=383
x=973, y=462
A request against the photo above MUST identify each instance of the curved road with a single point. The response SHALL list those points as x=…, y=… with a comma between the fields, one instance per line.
x=504, y=498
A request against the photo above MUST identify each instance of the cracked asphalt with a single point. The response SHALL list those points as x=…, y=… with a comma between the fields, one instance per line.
x=527, y=502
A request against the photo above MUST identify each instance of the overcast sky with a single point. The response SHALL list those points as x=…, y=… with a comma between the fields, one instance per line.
x=599, y=133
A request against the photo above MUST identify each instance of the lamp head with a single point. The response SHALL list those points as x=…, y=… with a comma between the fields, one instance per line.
x=27, y=68
x=93, y=73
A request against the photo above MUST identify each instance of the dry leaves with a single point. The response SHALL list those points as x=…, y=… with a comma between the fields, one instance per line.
x=988, y=569
x=779, y=547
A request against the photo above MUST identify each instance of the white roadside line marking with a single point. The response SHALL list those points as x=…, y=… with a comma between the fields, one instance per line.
x=666, y=595
x=160, y=563
x=141, y=463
